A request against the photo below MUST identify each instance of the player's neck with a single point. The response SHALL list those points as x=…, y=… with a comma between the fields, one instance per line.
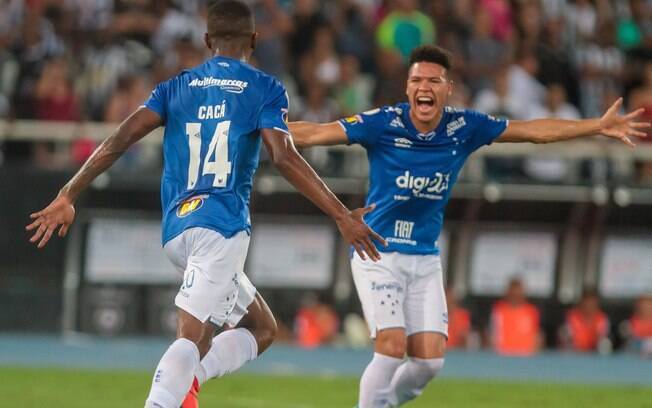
x=239, y=55
x=425, y=127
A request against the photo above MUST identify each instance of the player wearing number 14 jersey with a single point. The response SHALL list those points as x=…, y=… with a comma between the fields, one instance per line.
x=215, y=116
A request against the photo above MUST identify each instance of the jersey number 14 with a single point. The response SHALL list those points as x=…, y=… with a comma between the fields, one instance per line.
x=220, y=167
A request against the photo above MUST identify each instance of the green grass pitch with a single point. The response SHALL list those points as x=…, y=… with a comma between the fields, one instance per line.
x=38, y=388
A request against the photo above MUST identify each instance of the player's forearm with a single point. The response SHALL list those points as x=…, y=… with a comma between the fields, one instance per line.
x=557, y=130
x=299, y=173
x=301, y=133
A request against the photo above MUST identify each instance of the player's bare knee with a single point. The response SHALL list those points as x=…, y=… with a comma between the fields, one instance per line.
x=394, y=345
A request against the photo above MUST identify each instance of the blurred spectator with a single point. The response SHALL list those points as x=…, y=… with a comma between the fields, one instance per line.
x=136, y=20
x=641, y=96
x=54, y=96
x=321, y=63
x=353, y=92
x=306, y=20
x=586, y=327
x=459, y=322
x=103, y=60
x=9, y=69
x=529, y=22
x=600, y=64
x=555, y=106
x=555, y=63
x=354, y=36
x=390, y=79
x=483, y=53
x=582, y=19
x=318, y=106
x=130, y=93
x=515, y=327
x=525, y=91
x=639, y=327
x=91, y=15
x=551, y=169
x=176, y=25
x=497, y=101
x=500, y=12
x=36, y=44
x=635, y=29
x=272, y=24
x=316, y=323
x=405, y=28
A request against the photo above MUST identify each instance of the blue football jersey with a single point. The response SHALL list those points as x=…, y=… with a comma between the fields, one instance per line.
x=213, y=115
x=411, y=174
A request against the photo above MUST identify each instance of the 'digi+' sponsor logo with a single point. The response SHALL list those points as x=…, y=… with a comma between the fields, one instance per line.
x=228, y=85
x=190, y=205
x=424, y=186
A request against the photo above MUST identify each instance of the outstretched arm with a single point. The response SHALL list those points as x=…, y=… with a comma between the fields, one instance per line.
x=611, y=124
x=307, y=134
x=61, y=210
x=298, y=172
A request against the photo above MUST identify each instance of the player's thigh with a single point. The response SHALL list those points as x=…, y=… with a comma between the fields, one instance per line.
x=381, y=291
x=211, y=283
x=425, y=300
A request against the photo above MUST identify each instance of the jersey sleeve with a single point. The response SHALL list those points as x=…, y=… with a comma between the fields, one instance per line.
x=364, y=128
x=274, y=114
x=486, y=129
x=158, y=100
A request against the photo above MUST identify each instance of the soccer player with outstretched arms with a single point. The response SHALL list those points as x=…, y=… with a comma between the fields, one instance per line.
x=415, y=151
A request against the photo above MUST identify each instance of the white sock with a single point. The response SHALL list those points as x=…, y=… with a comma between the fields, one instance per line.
x=230, y=350
x=411, y=378
x=174, y=375
x=375, y=381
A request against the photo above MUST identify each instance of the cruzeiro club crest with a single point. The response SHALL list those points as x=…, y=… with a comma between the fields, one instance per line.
x=190, y=205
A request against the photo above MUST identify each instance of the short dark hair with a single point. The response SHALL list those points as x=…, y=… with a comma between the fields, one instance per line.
x=431, y=53
x=229, y=20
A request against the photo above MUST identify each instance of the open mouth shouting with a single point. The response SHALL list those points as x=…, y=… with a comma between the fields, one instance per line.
x=425, y=104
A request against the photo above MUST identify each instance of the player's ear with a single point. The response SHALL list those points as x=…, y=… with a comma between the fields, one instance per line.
x=450, y=88
x=254, y=38
x=207, y=41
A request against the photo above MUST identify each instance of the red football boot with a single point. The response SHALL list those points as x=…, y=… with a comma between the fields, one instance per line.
x=191, y=400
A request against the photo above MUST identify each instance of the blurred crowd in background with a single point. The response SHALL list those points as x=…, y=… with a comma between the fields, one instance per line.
x=515, y=327
x=97, y=60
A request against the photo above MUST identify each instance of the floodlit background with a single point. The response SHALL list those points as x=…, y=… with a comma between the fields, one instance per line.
x=563, y=219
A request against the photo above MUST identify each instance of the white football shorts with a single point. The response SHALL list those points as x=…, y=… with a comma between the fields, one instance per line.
x=214, y=284
x=402, y=291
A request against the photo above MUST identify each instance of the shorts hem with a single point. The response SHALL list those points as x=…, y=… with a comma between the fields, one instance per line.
x=377, y=329
x=428, y=331
x=201, y=317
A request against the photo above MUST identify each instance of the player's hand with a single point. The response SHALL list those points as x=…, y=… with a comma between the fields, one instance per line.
x=622, y=126
x=357, y=233
x=60, y=212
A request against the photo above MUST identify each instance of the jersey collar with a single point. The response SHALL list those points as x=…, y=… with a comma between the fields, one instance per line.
x=427, y=136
